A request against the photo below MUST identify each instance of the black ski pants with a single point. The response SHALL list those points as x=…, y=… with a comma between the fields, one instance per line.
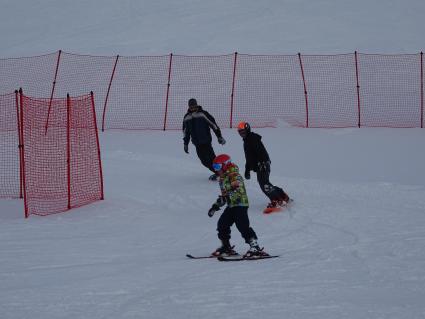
x=235, y=215
x=271, y=191
x=206, y=155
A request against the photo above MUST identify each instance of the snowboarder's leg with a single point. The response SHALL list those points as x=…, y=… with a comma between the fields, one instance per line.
x=274, y=193
x=263, y=176
x=279, y=195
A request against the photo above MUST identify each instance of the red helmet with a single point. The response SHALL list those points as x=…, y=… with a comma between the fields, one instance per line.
x=221, y=162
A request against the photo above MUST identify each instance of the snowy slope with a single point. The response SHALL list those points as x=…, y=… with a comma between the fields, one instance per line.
x=352, y=245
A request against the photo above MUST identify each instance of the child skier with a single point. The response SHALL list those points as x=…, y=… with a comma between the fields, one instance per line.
x=233, y=194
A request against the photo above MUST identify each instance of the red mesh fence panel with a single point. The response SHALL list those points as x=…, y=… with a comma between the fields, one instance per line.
x=78, y=74
x=331, y=90
x=268, y=88
x=45, y=155
x=34, y=74
x=208, y=79
x=390, y=90
x=86, y=179
x=9, y=151
x=138, y=93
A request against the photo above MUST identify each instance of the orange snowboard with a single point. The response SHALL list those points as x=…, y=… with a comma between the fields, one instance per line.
x=268, y=210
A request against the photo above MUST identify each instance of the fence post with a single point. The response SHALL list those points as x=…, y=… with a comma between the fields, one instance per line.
x=107, y=93
x=68, y=147
x=305, y=90
x=53, y=91
x=21, y=116
x=358, y=89
x=19, y=141
x=168, y=91
x=233, y=89
x=97, y=144
x=422, y=90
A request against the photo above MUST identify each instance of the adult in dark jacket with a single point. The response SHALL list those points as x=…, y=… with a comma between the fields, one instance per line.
x=258, y=160
x=197, y=124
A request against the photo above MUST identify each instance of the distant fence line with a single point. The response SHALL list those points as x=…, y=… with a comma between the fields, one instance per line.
x=151, y=92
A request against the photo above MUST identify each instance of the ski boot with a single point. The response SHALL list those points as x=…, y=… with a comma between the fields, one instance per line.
x=254, y=250
x=274, y=204
x=281, y=202
x=284, y=202
x=225, y=250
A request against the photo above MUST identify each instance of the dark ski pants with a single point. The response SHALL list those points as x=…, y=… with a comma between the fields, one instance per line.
x=235, y=215
x=206, y=155
x=271, y=191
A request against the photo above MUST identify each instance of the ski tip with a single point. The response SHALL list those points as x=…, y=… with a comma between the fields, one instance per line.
x=199, y=257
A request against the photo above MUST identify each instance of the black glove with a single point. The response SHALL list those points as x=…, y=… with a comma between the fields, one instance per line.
x=221, y=201
x=213, y=209
x=186, y=148
x=247, y=174
x=221, y=140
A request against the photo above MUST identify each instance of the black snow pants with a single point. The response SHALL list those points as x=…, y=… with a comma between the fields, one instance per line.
x=235, y=215
x=271, y=191
x=206, y=155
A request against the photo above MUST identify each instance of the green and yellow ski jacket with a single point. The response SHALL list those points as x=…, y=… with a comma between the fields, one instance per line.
x=232, y=187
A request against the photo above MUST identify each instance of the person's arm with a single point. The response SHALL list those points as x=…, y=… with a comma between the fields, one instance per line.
x=186, y=133
x=247, y=173
x=261, y=151
x=220, y=202
x=213, y=125
x=249, y=146
x=186, y=130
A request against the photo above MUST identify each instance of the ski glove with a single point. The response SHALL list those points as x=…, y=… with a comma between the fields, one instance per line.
x=221, y=140
x=221, y=201
x=247, y=174
x=186, y=148
x=214, y=208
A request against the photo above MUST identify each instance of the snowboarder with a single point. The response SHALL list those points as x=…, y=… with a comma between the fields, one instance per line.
x=196, y=126
x=258, y=160
x=233, y=194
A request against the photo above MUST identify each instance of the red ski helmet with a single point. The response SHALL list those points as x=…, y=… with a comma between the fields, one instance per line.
x=221, y=162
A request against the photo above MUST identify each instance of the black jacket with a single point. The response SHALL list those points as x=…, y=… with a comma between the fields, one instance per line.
x=255, y=152
x=196, y=125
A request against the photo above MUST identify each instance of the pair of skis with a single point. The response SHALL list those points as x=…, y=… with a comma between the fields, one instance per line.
x=231, y=258
x=241, y=257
